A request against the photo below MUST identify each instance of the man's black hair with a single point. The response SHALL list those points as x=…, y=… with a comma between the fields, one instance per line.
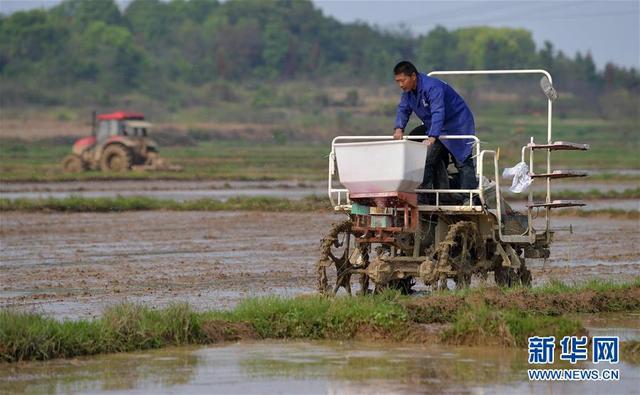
x=405, y=67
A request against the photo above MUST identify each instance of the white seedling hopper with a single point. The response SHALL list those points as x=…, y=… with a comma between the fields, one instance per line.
x=381, y=166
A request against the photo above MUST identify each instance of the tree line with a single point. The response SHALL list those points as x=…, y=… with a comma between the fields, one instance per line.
x=80, y=50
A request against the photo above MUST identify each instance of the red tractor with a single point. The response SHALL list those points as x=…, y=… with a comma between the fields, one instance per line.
x=119, y=141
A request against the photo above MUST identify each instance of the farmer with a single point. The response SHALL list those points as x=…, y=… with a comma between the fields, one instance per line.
x=442, y=112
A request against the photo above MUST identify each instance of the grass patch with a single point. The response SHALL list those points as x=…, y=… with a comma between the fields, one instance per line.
x=138, y=203
x=629, y=193
x=25, y=336
x=605, y=212
x=320, y=318
x=81, y=204
x=482, y=324
x=476, y=316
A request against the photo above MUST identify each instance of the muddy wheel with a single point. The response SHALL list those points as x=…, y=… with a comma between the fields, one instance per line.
x=116, y=158
x=339, y=257
x=405, y=286
x=458, y=254
x=524, y=275
x=364, y=279
x=505, y=276
x=512, y=276
x=73, y=164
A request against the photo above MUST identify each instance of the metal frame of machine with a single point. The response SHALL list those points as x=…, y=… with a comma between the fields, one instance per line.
x=468, y=239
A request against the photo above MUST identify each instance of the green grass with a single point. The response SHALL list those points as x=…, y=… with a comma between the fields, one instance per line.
x=474, y=316
x=137, y=203
x=480, y=324
x=556, y=286
x=552, y=299
x=126, y=327
x=76, y=203
x=316, y=317
x=605, y=212
x=629, y=193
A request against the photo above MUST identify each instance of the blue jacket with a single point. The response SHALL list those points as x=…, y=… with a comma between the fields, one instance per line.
x=443, y=112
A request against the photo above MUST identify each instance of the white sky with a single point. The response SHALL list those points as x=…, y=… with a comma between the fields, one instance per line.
x=609, y=29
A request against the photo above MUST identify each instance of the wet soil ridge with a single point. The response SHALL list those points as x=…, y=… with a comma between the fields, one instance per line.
x=493, y=316
x=81, y=204
x=628, y=193
x=553, y=299
x=139, y=203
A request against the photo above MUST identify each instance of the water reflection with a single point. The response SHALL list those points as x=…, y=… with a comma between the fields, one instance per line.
x=150, y=371
x=302, y=367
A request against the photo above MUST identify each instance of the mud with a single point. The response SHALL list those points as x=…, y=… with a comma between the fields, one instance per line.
x=219, y=331
x=74, y=265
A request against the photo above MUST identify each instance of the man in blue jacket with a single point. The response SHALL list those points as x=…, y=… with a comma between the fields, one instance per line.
x=443, y=112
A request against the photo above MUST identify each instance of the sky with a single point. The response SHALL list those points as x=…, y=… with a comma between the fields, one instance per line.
x=610, y=30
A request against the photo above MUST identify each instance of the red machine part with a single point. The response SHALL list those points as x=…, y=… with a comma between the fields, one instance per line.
x=120, y=115
x=83, y=144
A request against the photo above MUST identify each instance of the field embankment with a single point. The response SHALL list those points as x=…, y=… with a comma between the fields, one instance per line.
x=81, y=204
x=473, y=316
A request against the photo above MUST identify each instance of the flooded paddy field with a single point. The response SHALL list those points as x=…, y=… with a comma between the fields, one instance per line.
x=174, y=190
x=75, y=265
x=295, y=367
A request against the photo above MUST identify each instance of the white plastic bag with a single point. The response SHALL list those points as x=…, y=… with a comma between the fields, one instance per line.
x=521, y=178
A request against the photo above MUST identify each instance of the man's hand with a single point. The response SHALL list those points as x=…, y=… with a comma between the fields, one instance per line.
x=430, y=140
x=398, y=134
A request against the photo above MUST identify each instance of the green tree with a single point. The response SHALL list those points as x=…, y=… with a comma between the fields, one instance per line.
x=491, y=48
x=82, y=12
x=31, y=36
x=106, y=54
x=437, y=50
x=276, y=47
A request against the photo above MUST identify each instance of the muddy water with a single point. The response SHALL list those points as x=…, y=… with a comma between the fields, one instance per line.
x=626, y=326
x=75, y=265
x=174, y=190
x=302, y=367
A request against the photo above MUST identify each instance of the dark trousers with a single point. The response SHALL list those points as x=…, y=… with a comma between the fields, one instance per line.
x=435, y=168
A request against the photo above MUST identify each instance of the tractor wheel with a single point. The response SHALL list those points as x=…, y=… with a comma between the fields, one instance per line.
x=404, y=285
x=73, y=164
x=116, y=158
x=458, y=254
x=505, y=276
x=511, y=276
x=340, y=257
x=525, y=276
